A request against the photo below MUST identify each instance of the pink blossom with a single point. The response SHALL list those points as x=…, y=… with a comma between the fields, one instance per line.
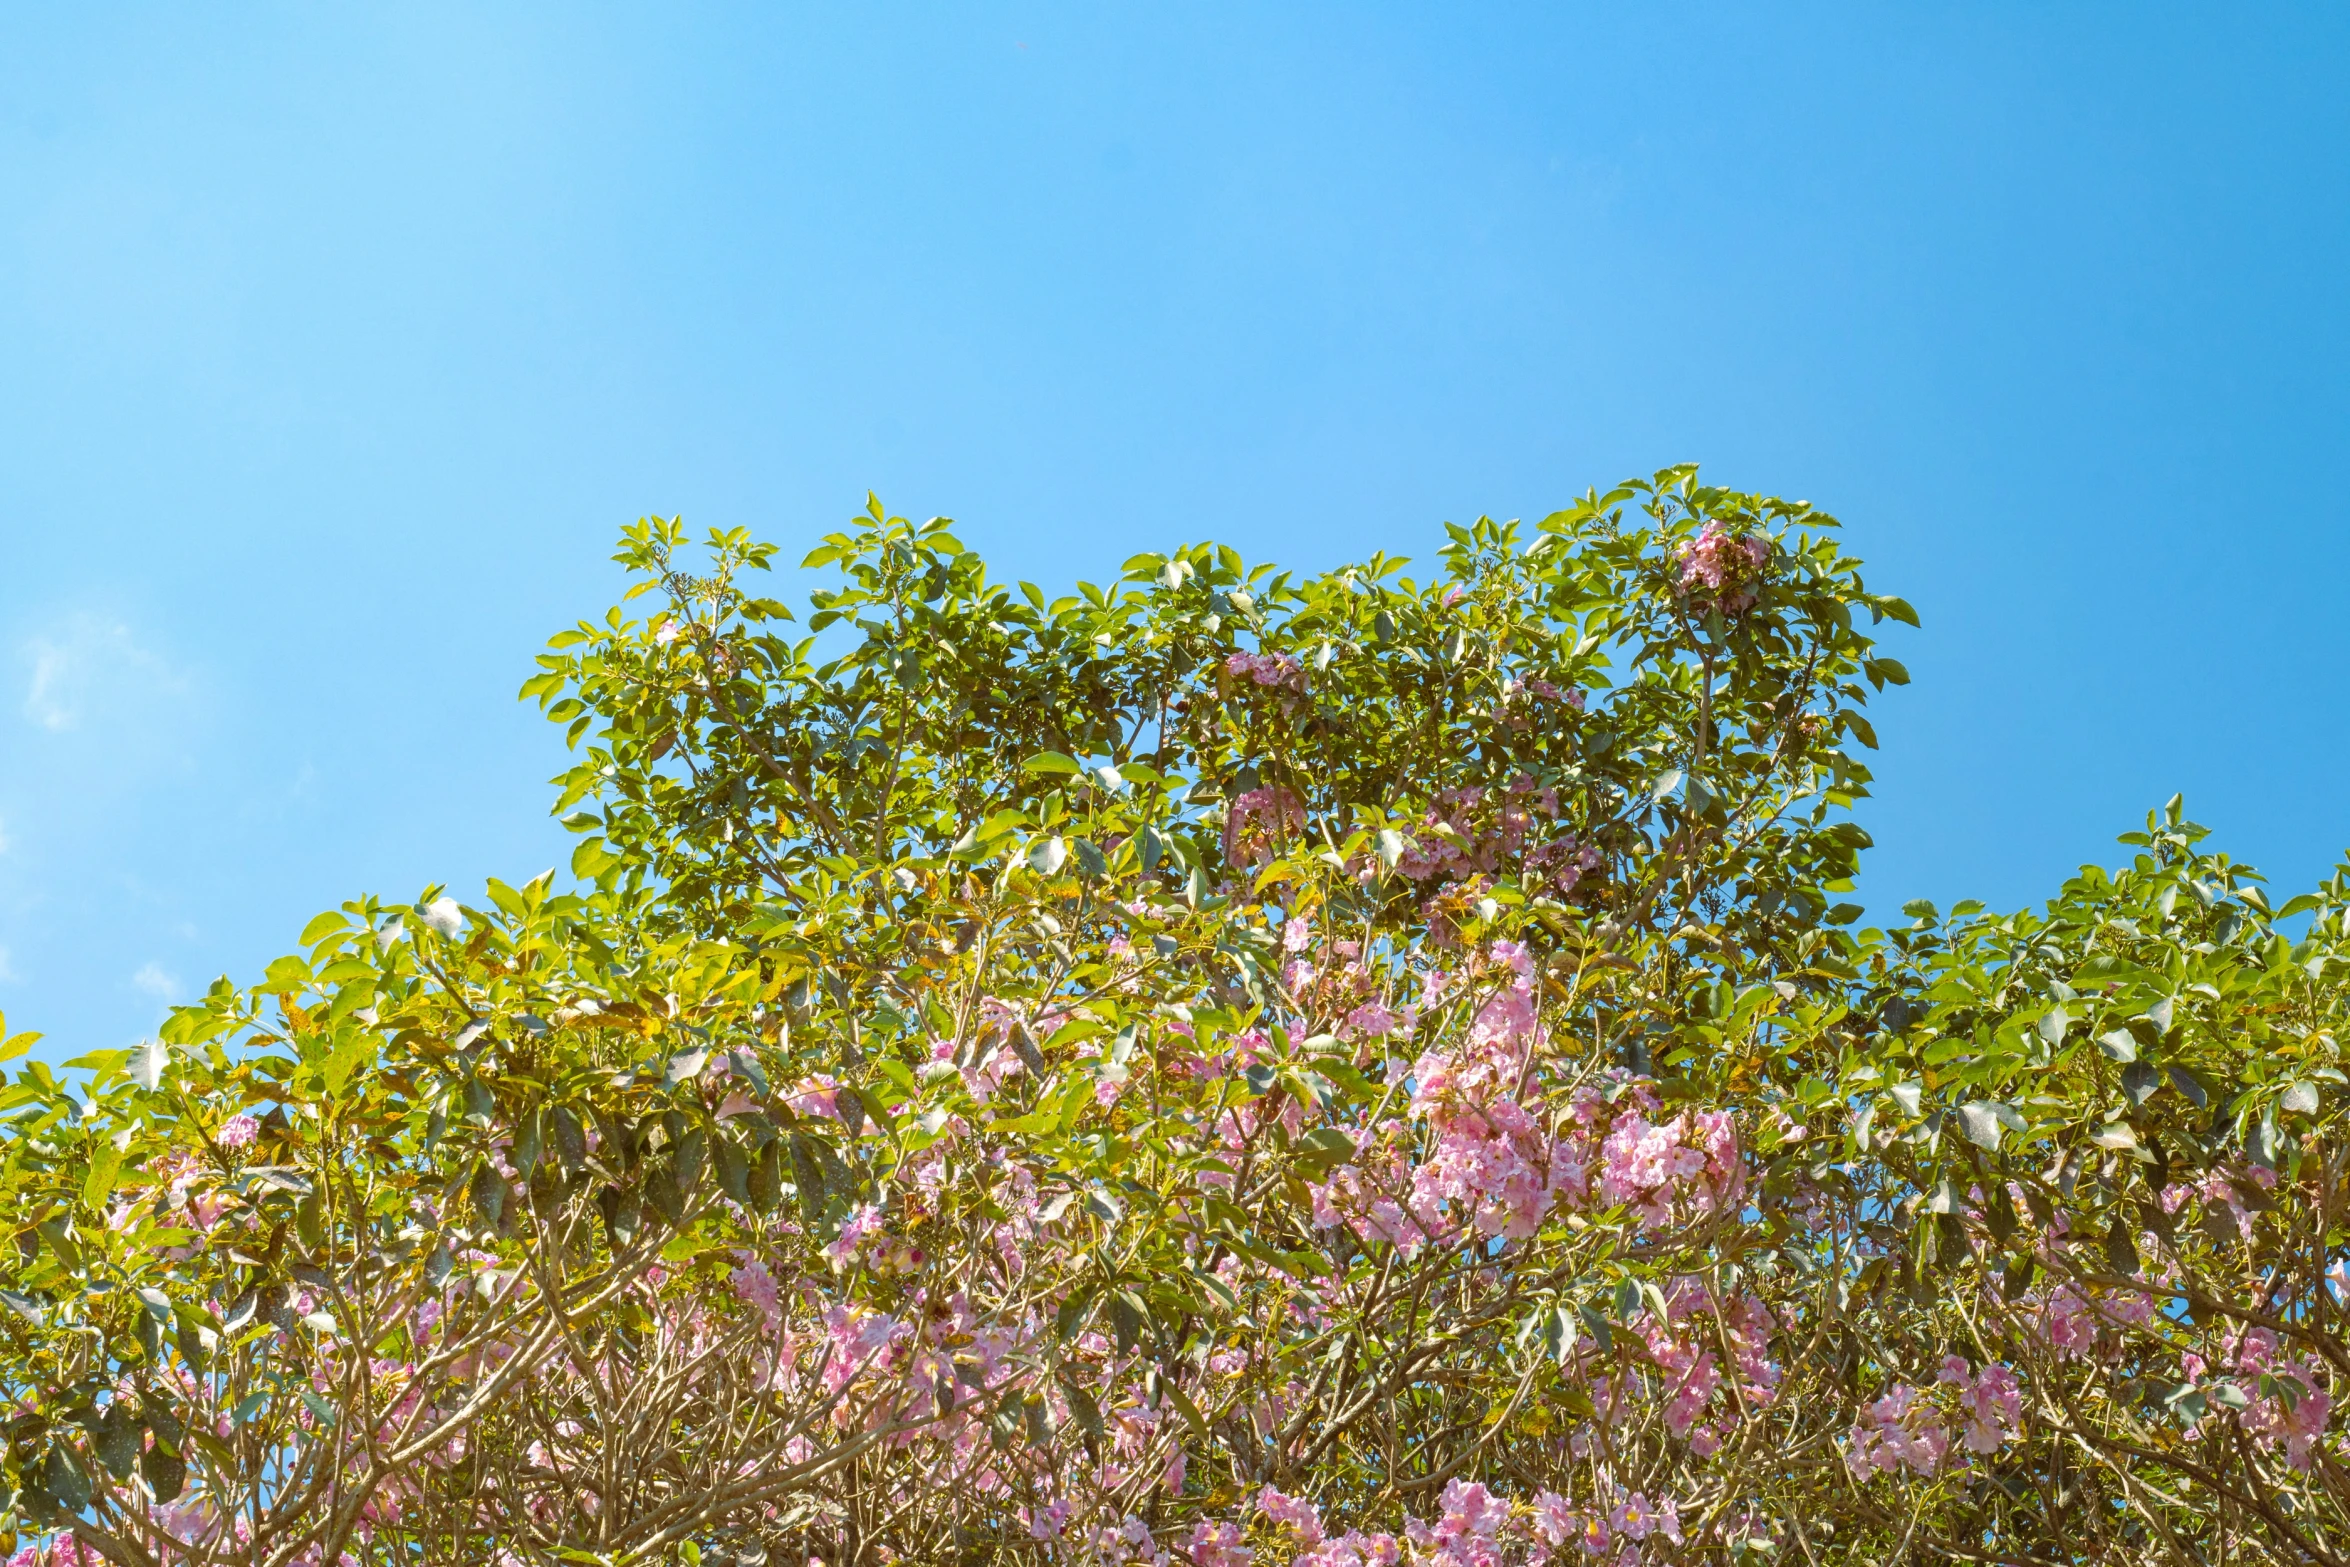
x=1723, y=564
x=1276, y=670
x=1259, y=822
x=1553, y=1519
x=756, y=1287
x=1217, y=1545
x=237, y=1131
x=1635, y=1518
x=1990, y=1402
x=2067, y=1324
x=2289, y=1405
x=1304, y=1517
x=1471, y=1509
x=1897, y=1430
x=816, y=1096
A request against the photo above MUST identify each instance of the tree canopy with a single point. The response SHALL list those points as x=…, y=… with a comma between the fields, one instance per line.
x=1226, y=1067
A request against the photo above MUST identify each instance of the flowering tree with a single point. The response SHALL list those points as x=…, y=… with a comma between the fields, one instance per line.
x=1220, y=1068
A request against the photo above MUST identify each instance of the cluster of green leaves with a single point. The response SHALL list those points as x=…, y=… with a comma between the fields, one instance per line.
x=934, y=716
x=991, y=971
x=2129, y=1100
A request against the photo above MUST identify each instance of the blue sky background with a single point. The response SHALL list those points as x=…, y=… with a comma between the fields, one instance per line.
x=336, y=343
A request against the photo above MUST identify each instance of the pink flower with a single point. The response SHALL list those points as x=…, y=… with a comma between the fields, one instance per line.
x=1304, y=1517
x=755, y=1287
x=1553, y=1519
x=1897, y=1430
x=1991, y=1403
x=817, y=1096
x=237, y=1131
x=864, y=1222
x=1045, y=1523
x=1277, y=670
x=1723, y=564
x=1632, y=1517
x=1259, y=823
x=2068, y=1325
x=1471, y=1509
x=1217, y=1545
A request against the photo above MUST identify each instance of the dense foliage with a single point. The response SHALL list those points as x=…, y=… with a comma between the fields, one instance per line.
x=1222, y=1068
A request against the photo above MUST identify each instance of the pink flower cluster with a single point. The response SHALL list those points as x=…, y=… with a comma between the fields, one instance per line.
x=1490, y=1162
x=1217, y=1545
x=64, y=1551
x=988, y=1060
x=1990, y=1402
x=1474, y=1527
x=1542, y=689
x=2217, y=1192
x=1276, y=670
x=1904, y=1429
x=2069, y=1319
x=1128, y=1540
x=1689, y=1163
x=1898, y=1430
x=2286, y=1401
x=755, y=1287
x=1491, y=1166
x=1259, y=823
x=1480, y=832
x=1688, y=1365
x=1723, y=564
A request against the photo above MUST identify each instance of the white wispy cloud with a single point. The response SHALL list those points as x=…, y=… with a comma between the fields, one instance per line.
x=8, y=973
x=3, y=835
x=44, y=704
x=90, y=664
x=153, y=979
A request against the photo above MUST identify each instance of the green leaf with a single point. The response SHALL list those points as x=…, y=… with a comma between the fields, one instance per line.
x=166, y=1472
x=148, y=1060
x=1324, y=1149
x=591, y=859
x=1980, y=1121
x=346, y=1059
x=2121, y=1246
x=331, y=923
x=98, y=1182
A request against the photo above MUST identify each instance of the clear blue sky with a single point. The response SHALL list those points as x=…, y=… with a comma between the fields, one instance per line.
x=336, y=343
